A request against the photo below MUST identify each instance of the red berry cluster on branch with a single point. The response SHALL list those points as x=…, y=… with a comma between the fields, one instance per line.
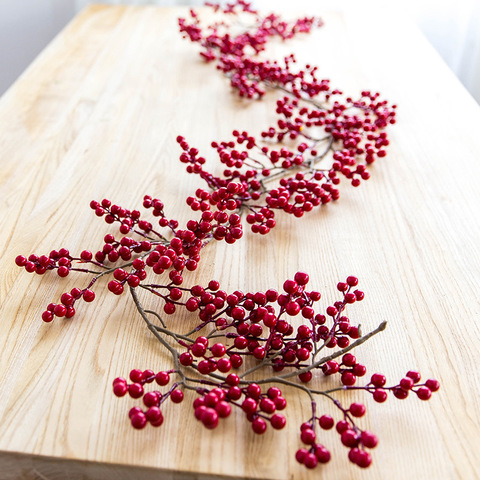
x=243, y=346
x=236, y=53
x=330, y=137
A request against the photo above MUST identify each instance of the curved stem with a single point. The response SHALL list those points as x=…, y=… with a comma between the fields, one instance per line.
x=153, y=329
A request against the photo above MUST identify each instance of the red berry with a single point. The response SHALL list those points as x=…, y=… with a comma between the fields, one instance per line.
x=280, y=402
x=301, y=454
x=67, y=299
x=211, y=399
x=308, y=436
x=303, y=332
x=192, y=304
x=322, y=454
x=198, y=349
x=154, y=416
x=115, y=287
x=204, y=367
x=330, y=367
x=415, y=376
x=353, y=454
x=357, y=409
x=305, y=377
x=169, y=308
x=133, y=411
x=186, y=359
x=301, y=278
x=47, y=316
x=369, y=439
x=400, y=393
x=349, y=360
x=406, y=383
x=234, y=393
x=148, y=376
x=326, y=422
x=21, y=260
x=60, y=310
x=331, y=311
x=274, y=392
x=424, y=393
x=380, y=395
x=278, y=421
x=267, y=405
x=259, y=353
x=224, y=365
x=310, y=460
x=359, y=370
x=352, y=281
x=232, y=379
x=363, y=459
x=209, y=417
x=378, y=380
x=151, y=399
x=176, y=396
x=349, y=438
x=136, y=375
x=342, y=426
x=236, y=360
x=433, y=384
x=119, y=380
x=63, y=271
x=218, y=350
x=249, y=405
x=139, y=420
x=135, y=390
x=89, y=295
x=348, y=378
x=290, y=286
x=120, y=389
x=259, y=425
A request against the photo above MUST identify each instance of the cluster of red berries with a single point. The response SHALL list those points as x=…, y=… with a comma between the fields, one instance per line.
x=410, y=383
x=355, y=439
x=259, y=408
x=235, y=53
x=61, y=260
x=358, y=441
x=261, y=327
x=128, y=219
x=314, y=452
x=258, y=325
x=114, y=250
x=210, y=358
x=152, y=400
x=353, y=143
x=354, y=130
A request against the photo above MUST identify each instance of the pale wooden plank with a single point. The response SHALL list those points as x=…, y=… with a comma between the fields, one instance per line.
x=97, y=115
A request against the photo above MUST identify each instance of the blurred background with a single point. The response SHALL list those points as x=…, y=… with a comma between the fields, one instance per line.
x=451, y=26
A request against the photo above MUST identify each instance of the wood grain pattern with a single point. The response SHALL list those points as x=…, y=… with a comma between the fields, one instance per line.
x=97, y=115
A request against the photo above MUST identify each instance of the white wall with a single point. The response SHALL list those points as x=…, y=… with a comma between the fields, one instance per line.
x=26, y=27
x=453, y=28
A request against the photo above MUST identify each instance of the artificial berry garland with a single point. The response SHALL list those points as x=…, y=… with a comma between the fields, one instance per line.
x=329, y=137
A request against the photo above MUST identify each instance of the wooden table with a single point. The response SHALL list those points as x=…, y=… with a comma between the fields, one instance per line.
x=97, y=115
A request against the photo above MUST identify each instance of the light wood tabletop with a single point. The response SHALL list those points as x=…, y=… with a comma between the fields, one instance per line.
x=97, y=114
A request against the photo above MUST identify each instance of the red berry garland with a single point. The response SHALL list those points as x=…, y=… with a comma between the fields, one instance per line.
x=236, y=335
